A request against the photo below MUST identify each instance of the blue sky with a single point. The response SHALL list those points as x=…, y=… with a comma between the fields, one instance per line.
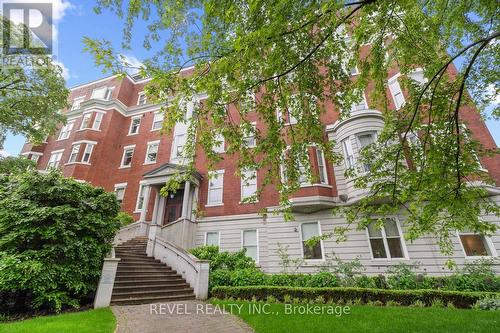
x=77, y=19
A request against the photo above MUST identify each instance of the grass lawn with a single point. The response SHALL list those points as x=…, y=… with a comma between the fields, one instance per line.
x=92, y=321
x=364, y=318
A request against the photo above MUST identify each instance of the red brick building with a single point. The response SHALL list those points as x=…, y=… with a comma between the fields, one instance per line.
x=112, y=139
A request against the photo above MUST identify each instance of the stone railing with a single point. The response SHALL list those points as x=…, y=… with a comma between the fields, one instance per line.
x=193, y=270
x=130, y=231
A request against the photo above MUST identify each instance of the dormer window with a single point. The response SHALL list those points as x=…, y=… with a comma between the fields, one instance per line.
x=142, y=99
x=103, y=93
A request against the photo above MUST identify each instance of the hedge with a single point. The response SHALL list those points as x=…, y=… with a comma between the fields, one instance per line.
x=339, y=295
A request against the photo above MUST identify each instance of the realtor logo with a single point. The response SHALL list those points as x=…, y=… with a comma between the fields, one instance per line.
x=27, y=27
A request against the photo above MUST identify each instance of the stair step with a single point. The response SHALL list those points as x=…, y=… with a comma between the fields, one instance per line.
x=147, y=300
x=136, y=282
x=148, y=293
x=127, y=276
x=148, y=261
x=146, y=287
x=160, y=269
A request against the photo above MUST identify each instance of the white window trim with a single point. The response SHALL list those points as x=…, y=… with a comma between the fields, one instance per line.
x=81, y=99
x=89, y=114
x=361, y=170
x=153, y=129
x=389, y=82
x=325, y=169
x=71, y=153
x=61, y=151
x=121, y=186
x=254, y=125
x=222, y=148
x=318, y=224
x=97, y=114
x=66, y=130
x=218, y=238
x=142, y=93
x=136, y=208
x=386, y=245
x=173, y=153
x=148, y=146
x=92, y=145
x=123, y=157
x=218, y=172
x=257, y=240
x=131, y=123
x=242, y=181
x=488, y=241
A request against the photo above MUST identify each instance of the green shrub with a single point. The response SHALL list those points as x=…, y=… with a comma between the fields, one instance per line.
x=124, y=219
x=488, y=303
x=339, y=295
x=247, y=277
x=220, y=277
x=475, y=276
x=223, y=260
x=322, y=279
x=54, y=235
x=402, y=276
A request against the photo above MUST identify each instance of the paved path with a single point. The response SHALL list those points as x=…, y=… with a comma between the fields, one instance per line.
x=177, y=317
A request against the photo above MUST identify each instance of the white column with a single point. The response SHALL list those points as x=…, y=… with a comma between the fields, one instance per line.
x=185, y=199
x=155, y=209
x=145, y=203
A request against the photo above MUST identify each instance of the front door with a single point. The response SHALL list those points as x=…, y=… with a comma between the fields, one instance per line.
x=173, y=207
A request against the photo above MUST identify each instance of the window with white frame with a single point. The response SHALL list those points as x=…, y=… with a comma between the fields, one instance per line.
x=361, y=105
x=475, y=245
x=65, y=131
x=120, y=192
x=323, y=175
x=417, y=75
x=248, y=184
x=212, y=238
x=89, y=147
x=219, y=144
x=103, y=93
x=142, y=99
x=215, y=187
x=300, y=167
x=250, y=244
x=308, y=231
x=140, y=197
x=386, y=242
x=135, y=123
x=55, y=159
x=86, y=121
x=152, y=152
x=364, y=140
x=97, y=120
x=249, y=136
x=74, y=154
x=128, y=153
x=77, y=103
x=35, y=157
x=354, y=70
x=178, y=145
x=396, y=92
x=157, y=121
x=348, y=153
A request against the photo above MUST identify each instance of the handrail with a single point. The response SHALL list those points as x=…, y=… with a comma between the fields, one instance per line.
x=192, y=259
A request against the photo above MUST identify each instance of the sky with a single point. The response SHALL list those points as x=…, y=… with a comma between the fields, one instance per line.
x=77, y=19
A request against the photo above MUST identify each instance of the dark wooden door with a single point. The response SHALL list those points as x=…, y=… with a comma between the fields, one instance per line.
x=173, y=207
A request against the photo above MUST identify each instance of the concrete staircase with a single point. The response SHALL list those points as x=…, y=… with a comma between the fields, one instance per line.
x=141, y=279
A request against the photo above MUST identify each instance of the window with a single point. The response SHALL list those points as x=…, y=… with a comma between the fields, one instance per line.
x=215, y=187
x=77, y=103
x=66, y=131
x=74, y=154
x=396, y=92
x=178, y=145
x=157, y=121
x=249, y=136
x=152, y=152
x=366, y=139
x=135, y=123
x=302, y=170
x=348, y=153
x=120, y=192
x=140, y=197
x=250, y=244
x=354, y=71
x=142, y=99
x=128, y=152
x=54, y=160
x=475, y=245
x=417, y=75
x=87, y=153
x=361, y=105
x=97, y=120
x=386, y=243
x=219, y=144
x=35, y=157
x=103, y=93
x=323, y=176
x=86, y=121
x=248, y=184
x=212, y=238
x=308, y=231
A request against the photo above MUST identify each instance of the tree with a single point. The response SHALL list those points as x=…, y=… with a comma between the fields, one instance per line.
x=262, y=56
x=10, y=165
x=31, y=96
x=54, y=235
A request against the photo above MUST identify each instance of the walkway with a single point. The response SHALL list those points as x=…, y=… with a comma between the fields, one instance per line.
x=176, y=317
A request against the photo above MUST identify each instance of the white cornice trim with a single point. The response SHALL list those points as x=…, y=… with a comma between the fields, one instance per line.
x=362, y=114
